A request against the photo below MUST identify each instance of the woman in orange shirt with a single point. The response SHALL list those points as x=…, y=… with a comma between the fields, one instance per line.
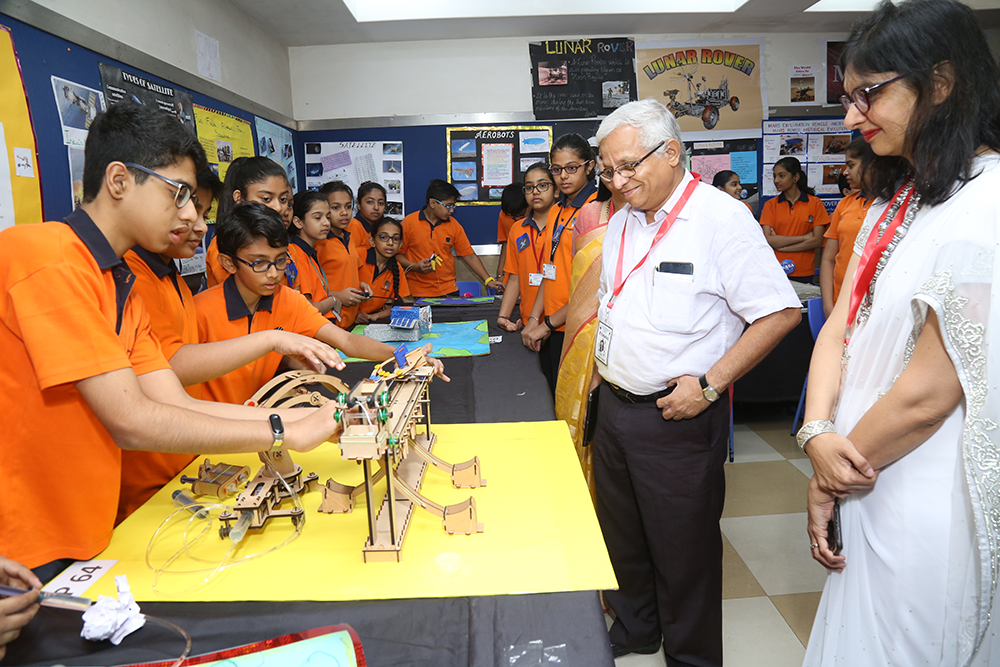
x=845, y=223
x=794, y=221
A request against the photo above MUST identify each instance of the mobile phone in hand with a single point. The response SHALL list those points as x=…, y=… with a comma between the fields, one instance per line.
x=834, y=535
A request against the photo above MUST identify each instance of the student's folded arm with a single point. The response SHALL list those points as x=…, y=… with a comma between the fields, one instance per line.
x=811, y=241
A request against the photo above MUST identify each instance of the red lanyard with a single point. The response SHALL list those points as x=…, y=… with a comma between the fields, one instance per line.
x=660, y=233
x=873, y=252
x=534, y=241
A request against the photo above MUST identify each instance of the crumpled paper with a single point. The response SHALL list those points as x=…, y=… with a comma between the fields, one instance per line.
x=113, y=619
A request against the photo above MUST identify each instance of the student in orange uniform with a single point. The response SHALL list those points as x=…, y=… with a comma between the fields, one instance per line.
x=524, y=262
x=83, y=377
x=339, y=260
x=253, y=247
x=794, y=221
x=513, y=208
x=845, y=223
x=249, y=179
x=382, y=271
x=729, y=182
x=433, y=232
x=371, y=206
x=572, y=164
x=310, y=225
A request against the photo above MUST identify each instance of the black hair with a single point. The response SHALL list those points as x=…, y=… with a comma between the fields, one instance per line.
x=392, y=264
x=722, y=177
x=922, y=41
x=793, y=167
x=208, y=179
x=248, y=222
x=512, y=201
x=368, y=186
x=338, y=186
x=441, y=190
x=129, y=132
x=862, y=150
x=244, y=172
x=842, y=183
x=580, y=146
x=304, y=201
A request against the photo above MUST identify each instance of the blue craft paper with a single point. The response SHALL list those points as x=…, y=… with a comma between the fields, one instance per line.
x=744, y=163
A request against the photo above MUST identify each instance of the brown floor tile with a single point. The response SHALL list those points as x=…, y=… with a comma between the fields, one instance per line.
x=799, y=611
x=737, y=580
x=769, y=487
x=778, y=435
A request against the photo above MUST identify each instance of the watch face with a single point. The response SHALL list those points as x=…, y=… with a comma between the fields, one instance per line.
x=710, y=394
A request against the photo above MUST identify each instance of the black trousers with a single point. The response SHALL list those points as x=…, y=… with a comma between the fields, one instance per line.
x=549, y=355
x=660, y=493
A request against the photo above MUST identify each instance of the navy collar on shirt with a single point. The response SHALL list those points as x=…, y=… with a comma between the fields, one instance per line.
x=306, y=248
x=160, y=268
x=439, y=222
x=367, y=226
x=802, y=197
x=581, y=197
x=83, y=226
x=529, y=221
x=236, y=307
x=373, y=260
x=345, y=238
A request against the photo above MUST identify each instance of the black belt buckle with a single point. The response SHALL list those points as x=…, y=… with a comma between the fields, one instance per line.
x=628, y=397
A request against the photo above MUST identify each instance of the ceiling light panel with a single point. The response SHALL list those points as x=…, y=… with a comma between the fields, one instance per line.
x=366, y=11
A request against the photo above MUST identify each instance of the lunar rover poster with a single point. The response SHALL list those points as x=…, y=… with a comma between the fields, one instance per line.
x=714, y=90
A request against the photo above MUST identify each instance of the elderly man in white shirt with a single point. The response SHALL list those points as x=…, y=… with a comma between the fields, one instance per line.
x=685, y=269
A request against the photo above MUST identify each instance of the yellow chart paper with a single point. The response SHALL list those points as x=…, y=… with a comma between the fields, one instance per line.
x=223, y=137
x=20, y=188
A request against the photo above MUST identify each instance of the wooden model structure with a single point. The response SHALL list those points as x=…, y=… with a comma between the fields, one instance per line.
x=217, y=479
x=383, y=428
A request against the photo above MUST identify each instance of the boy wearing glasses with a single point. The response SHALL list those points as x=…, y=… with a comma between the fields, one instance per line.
x=429, y=236
x=253, y=248
x=83, y=376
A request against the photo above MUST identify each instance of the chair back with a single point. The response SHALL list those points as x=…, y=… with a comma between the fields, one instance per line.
x=816, y=316
x=475, y=288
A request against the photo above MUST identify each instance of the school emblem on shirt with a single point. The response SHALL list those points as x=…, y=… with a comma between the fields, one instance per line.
x=811, y=219
x=388, y=282
x=523, y=242
x=291, y=273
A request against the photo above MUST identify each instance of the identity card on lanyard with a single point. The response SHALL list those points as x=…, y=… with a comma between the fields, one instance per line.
x=660, y=233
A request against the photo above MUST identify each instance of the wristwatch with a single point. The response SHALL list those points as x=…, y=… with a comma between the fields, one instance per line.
x=710, y=393
x=812, y=429
x=549, y=324
x=278, y=431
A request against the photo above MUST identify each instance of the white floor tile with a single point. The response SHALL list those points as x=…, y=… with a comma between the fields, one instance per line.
x=776, y=549
x=805, y=465
x=751, y=448
x=636, y=660
x=755, y=635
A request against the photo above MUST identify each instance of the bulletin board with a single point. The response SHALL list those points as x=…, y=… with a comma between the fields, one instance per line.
x=20, y=187
x=581, y=78
x=483, y=160
x=819, y=144
x=739, y=155
x=357, y=162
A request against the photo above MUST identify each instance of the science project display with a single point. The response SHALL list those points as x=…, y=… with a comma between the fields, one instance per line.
x=483, y=160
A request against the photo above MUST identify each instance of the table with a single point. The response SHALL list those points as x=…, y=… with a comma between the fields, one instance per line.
x=507, y=385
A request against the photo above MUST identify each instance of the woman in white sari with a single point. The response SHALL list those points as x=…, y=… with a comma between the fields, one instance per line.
x=903, y=405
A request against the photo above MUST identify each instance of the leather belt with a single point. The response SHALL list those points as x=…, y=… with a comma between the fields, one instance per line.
x=628, y=397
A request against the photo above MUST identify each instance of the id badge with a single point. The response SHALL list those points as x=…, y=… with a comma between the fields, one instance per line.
x=602, y=343
x=534, y=279
x=549, y=271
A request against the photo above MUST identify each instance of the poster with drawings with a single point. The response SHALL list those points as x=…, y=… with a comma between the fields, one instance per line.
x=818, y=144
x=275, y=142
x=357, y=162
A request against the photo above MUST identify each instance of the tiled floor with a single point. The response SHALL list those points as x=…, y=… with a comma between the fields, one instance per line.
x=771, y=585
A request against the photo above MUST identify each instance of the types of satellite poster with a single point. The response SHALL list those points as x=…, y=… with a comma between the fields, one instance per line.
x=121, y=85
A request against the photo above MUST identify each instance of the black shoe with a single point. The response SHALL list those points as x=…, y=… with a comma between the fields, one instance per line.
x=649, y=649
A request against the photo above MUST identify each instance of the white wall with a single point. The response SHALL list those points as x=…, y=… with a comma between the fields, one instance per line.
x=476, y=76
x=254, y=64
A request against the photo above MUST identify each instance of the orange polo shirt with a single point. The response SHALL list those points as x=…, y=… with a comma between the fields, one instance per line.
x=340, y=264
x=504, y=223
x=844, y=225
x=223, y=315
x=794, y=219
x=311, y=278
x=524, y=257
x=214, y=273
x=421, y=239
x=562, y=217
x=67, y=315
x=172, y=318
x=361, y=235
x=381, y=283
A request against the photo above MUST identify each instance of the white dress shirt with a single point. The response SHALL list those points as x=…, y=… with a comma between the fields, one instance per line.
x=665, y=325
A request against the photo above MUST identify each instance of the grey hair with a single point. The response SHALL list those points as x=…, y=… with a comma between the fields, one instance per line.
x=654, y=121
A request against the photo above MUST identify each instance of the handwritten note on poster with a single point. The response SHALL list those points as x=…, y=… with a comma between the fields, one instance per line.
x=224, y=137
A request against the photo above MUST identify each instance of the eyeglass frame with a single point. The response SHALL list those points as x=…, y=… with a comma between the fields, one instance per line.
x=570, y=168
x=385, y=238
x=448, y=207
x=604, y=173
x=287, y=259
x=855, y=97
x=528, y=189
x=181, y=187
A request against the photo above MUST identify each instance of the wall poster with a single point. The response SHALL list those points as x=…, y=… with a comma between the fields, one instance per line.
x=482, y=160
x=224, y=138
x=275, y=141
x=581, y=78
x=357, y=162
x=121, y=85
x=818, y=144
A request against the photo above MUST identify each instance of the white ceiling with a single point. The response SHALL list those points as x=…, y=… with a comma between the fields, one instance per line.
x=321, y=22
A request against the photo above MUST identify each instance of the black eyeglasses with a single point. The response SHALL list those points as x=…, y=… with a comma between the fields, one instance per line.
x=263, y=266
x=862, y=97
x=570, y=168
x=450, y=207
x=385, y=238
x=541, y=187
x=184, y=193
x=627, y=170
